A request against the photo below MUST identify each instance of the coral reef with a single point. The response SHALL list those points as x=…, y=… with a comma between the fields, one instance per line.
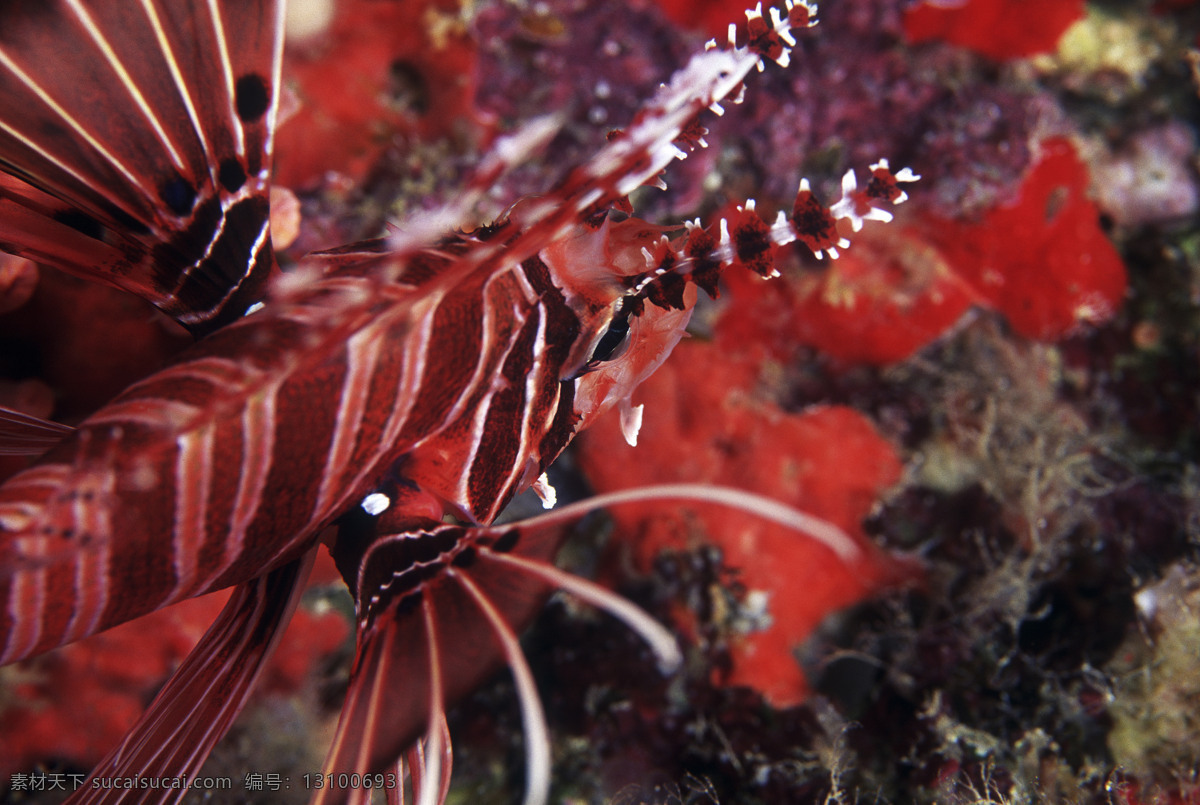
x=1017, y=339
x=997, y=393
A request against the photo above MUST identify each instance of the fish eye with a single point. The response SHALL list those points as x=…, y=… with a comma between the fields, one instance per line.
x=615, y=340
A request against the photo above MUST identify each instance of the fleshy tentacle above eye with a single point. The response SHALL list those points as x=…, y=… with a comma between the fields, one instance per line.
x=137, y=146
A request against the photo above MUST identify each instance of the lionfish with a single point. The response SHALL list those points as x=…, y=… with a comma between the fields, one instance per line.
x=396, y=394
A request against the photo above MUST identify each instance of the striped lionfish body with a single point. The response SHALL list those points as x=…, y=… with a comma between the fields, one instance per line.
x=376, y=390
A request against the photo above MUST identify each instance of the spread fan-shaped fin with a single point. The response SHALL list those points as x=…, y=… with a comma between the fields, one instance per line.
x=137, y=139
x=439, y=607
x=423, y=638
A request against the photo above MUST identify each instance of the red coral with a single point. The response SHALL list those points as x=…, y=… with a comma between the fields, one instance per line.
x=380, y=71
x=886, y=297
x=1042, y=260
x=704, y=424
x=110, y=676
x=998, y=29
